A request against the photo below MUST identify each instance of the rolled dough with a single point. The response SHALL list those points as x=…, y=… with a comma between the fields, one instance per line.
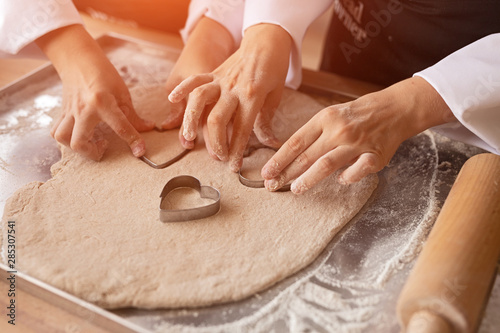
x=93, y=230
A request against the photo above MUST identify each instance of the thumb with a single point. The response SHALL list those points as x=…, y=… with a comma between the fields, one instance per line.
x=263, y=123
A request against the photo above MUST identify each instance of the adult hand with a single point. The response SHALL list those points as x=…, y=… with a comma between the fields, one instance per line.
x=246, y=89
x=208, y=46
x=93, y=92
x=362, y=135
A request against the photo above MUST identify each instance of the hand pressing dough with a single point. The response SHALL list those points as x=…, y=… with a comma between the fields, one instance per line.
x=93, y=230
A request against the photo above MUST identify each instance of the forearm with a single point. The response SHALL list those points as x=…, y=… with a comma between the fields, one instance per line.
x=294, y=18
x=211, y=38
x=419, y=103
x=267, y=41
x=65, y=46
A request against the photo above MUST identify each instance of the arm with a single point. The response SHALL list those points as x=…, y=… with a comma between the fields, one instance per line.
x=208, y=46
x=88, y=96
x=361, y=136
x=248, y=86
x=460, y=95
x=294, y=17
x=211, y=34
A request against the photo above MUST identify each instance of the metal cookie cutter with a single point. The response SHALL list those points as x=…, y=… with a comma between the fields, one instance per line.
x=167, y=163
x=179, y=215
x=259, y=183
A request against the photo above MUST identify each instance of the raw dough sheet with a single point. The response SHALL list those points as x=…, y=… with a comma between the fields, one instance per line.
x=93, y=229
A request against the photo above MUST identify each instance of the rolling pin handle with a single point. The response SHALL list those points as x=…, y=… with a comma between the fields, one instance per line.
x=427, y=322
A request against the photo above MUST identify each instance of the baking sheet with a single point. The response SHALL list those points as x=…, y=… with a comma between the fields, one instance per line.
x=352, y=287
x=54, y=298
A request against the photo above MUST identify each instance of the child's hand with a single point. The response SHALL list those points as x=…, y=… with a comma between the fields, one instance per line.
x=93, y=92
x=245, y=91
x=209, y=45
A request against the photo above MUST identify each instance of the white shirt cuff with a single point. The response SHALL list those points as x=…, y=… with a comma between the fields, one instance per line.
x=469, y=82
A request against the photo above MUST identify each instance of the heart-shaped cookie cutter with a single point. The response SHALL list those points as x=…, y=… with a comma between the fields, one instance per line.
x=180, y=215
x=259, y=183
x=167, y=163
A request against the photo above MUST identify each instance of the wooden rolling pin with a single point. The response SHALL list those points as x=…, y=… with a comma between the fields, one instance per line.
x=449, y=285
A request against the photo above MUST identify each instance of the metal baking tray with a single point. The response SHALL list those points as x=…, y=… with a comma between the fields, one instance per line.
x=351, y=287
x=80, y=312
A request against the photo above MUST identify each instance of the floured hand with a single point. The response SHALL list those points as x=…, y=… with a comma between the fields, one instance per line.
x=245, y=91
x=93, y=92
x=361, y=136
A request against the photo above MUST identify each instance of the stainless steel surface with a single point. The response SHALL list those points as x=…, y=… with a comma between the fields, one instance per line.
x=351, y=287
x=178, y=215
x=71, y=304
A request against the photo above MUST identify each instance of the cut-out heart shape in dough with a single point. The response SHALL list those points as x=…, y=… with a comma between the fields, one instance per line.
x=173, y=211
x=157, y=156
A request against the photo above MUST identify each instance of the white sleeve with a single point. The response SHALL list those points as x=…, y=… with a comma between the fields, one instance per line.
x=229, y=13
x=294, y=16
x=469, y=82
x=23, y=21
